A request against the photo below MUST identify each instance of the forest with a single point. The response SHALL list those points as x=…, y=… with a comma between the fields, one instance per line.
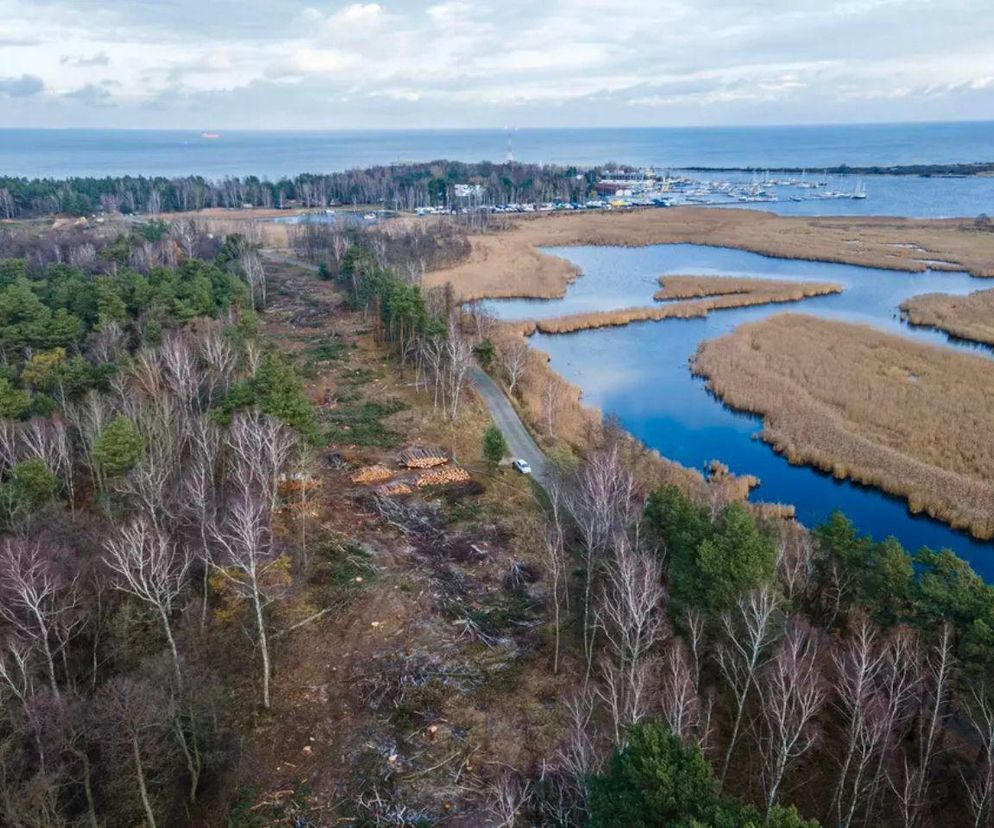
x=397, y=186
x=698, y=663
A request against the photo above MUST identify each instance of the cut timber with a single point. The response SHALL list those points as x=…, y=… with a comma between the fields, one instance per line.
x=371, y=474
x=441, y=477
x=418, y=457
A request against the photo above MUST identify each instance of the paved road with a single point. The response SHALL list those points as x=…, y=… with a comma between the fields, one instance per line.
x=519, y=441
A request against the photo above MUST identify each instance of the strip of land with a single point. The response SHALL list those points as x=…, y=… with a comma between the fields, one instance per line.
x=911, y=419
x=968, y=317
x=511, y=264
x=923, y=170
x=714, y=292
x=772, y=290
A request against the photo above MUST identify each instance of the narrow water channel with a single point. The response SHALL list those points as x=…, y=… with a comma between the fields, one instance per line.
x=640, y=373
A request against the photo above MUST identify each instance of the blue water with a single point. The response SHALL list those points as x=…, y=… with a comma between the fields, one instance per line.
x=62, y=153
x=640, y=372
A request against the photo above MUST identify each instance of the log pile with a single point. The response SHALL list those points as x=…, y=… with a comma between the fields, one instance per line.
x=371, y=474
x=418, y=457
x=441, y=477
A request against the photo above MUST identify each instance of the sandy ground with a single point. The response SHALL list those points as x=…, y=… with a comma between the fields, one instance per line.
x=509, y=263
x=914, y=420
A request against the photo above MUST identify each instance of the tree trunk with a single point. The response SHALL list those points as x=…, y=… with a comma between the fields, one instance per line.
x=264, y=648
x=142, y=789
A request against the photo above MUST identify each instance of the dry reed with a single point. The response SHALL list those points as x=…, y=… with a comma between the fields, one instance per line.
x=914, y=420
x=723, y=292
x=510, y=264
x=968, y=317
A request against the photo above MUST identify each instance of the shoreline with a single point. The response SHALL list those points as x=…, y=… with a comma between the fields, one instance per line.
x=969, y=317
x=759, y=367
x=513, y=263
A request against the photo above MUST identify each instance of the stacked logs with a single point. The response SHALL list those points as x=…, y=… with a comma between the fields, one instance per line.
x=371, y=474
x=417, y=457
x=441, y=477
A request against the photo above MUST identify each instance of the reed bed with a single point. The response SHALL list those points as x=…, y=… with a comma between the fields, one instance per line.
x=968, y=317
x=700, y=287
x=510, y=264
x=914, y=420
x=721, y=292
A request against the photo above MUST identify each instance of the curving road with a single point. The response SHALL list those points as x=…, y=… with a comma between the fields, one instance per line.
x=519, y=441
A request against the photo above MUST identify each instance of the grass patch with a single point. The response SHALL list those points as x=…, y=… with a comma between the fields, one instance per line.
x=328, y=351
x=362, y=424
x=338, y=564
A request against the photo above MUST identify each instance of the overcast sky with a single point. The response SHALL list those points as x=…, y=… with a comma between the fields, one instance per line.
x=275, y=64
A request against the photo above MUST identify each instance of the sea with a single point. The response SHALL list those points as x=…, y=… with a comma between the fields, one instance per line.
x=47, y=153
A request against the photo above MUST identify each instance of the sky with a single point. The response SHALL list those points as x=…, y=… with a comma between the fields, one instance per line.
x=293, y=64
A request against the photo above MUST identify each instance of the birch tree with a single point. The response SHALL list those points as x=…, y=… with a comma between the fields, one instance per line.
x=791, y=695
x=246, y=560
x=749, y=630
x=39, y=600
x=149, y=566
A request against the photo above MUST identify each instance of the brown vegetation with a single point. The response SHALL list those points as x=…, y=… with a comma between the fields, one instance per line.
x=510, y=264
x=876, y=408
x=968, y=317
x=724, y=292
x=770, y=290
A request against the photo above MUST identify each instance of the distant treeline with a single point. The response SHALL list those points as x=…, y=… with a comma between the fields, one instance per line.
x=401, y=186
x=926, y=170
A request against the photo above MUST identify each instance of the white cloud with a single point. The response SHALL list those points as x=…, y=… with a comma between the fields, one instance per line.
x=464, y=63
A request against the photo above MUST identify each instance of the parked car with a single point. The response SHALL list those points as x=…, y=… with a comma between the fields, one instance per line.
x=522, y=466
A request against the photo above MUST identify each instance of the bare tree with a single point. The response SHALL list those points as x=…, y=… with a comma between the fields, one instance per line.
x=149, y=566
x=795, y=560
x=858, y=667
x=514, y=357
x=10, y=444
x=255, y=274
x=508, y=796
x=791, y=695
x=552, y=394
x=911, y=786
x=135, y=721
x=603, y=504
x=555, y=547
x=262, y=447
x=39, y=600
x=247, y=562
x=459, y=359
x=631, y=616
x=181, y=369
x=749, y=630
x=579, y=757
x=200, y=488
x=679, y=700
x=898, y=686
x=980, y=789
x=221, y=360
